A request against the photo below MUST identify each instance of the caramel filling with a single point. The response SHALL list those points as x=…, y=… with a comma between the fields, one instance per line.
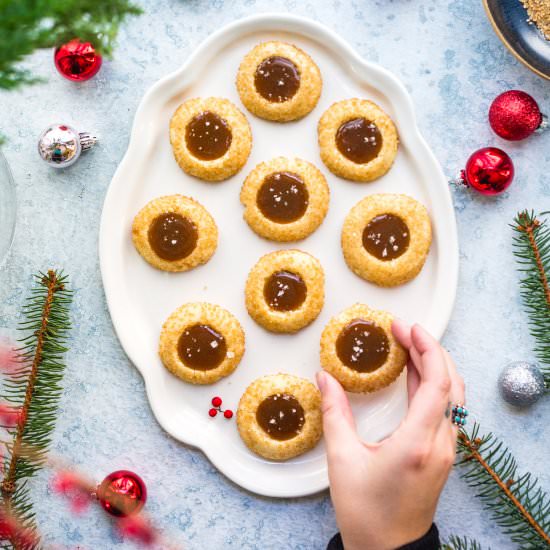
x=362, y=346
x=277, y=79
x=285, y=291
x=172, y=236
x=386, y=237
x=283, y=197
x=281, y=416
x=200, y=347
x=208, y=136
x=359, y=140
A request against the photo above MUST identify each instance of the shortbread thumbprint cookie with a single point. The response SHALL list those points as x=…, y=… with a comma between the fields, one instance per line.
x=175, y=233
x=210, y=137
x=360, y=351
x=285, y=290
x=278, y=81
x=201, y=343
x=279, y=416
x=285, y=199
x=386, y=238
x=358, y=140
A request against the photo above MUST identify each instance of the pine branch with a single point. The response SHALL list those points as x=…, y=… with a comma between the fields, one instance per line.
x=28, y=25
x=35, y=388
x=461, y=543
x=517, y=503
x=532, y=251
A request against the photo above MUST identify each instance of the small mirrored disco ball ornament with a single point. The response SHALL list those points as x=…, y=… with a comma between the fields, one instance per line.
x=521, y=383
x=60, y=145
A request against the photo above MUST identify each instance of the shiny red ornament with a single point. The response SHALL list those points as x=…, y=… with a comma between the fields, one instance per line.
x=489, y=171
x=515, y=115
x=77, y=61
x=122, y=493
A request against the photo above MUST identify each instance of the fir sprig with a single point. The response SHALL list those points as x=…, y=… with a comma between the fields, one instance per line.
x=35, y=388
x=461, y=543
x=532, y=251
x=516, y=501
x=28, y=25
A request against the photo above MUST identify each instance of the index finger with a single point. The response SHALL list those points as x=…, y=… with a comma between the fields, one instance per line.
x=428, y=404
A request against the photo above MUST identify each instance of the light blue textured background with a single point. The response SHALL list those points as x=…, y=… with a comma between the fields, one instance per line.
x=453, y=65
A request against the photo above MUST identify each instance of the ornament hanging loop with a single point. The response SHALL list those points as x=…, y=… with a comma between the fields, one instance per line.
x=87, y=140
x=543, y=126
x=458, y=181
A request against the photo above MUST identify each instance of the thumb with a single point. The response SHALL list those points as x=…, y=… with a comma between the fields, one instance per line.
x=338, y=423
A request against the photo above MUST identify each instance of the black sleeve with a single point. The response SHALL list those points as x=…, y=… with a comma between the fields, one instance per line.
x=430, y=541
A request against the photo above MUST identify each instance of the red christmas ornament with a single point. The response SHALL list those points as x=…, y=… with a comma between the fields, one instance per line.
x=122, y=493
x=489, y=171
x=515, y=115
x=77, y=61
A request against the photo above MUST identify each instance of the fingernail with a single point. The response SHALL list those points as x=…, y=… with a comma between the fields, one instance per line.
x=321, y=380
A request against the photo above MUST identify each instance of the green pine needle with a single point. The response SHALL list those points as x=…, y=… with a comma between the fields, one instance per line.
x=35, y=388
x=532, y=251
x=28, y=25
x=461, y=543
x=516, y=501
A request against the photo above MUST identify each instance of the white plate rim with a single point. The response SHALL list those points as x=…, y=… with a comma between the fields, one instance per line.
x=139, y=139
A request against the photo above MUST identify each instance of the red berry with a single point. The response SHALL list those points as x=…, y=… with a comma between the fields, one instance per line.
x=228, y=414
x=216, y=401
x=212, y=412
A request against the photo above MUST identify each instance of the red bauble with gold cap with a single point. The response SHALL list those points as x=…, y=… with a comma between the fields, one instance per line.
x=122, y=493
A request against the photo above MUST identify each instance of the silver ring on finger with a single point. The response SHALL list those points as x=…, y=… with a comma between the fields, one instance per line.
x=459, y=414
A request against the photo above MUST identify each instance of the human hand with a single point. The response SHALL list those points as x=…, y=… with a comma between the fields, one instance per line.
x=385, y=494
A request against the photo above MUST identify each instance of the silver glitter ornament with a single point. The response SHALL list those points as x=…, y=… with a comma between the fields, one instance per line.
x=521, y=383
x=60, y=145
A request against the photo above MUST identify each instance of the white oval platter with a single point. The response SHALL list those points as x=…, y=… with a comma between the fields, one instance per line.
x=140, y=297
